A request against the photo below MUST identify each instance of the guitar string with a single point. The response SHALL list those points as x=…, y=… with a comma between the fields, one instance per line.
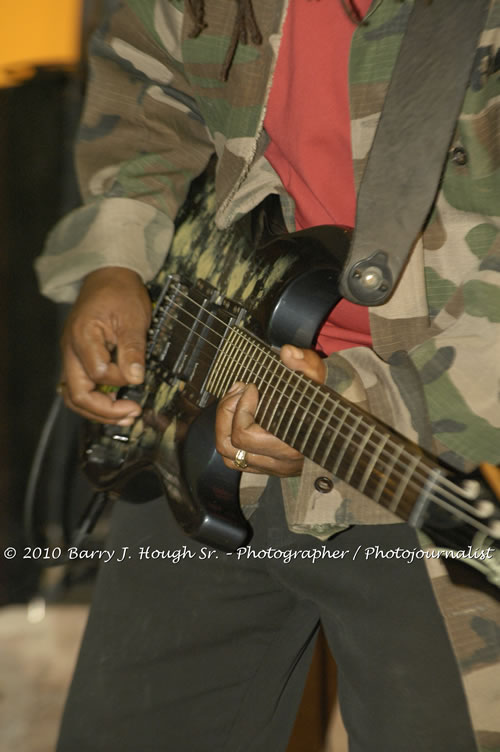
x=443, y=480
x=273, y=356
x=269, y=353
x=410, y=483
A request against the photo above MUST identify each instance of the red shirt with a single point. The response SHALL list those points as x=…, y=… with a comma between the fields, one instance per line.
x=308, y=123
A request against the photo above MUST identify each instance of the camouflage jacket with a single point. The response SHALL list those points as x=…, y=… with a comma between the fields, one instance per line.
x=156, y=112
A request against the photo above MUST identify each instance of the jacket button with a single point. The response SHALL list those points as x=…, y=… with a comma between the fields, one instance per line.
x=459, y=156
x=323, y=484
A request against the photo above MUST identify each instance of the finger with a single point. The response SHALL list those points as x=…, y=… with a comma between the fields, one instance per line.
x=259, y=465
x=90, y=345
x=80, y=394
x=93, y=346
x=307, y=362
x=236, y=429
x=224, y=420
x=108, y=329
x=131, y=349
x=263, y=464
x=247, y=434
x=96, y=409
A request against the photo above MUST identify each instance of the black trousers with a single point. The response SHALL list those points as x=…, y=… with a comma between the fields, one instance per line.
x=202, y=651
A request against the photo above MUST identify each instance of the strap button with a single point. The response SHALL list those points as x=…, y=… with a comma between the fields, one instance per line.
x=323, y=484
x=459, y=156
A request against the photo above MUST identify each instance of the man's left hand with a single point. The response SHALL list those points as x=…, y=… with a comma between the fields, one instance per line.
x=236, y=428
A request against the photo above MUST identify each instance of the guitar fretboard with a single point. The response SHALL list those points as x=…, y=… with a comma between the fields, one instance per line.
x=324, y=426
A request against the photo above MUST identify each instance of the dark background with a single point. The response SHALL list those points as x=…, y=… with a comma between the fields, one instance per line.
x=38, y=123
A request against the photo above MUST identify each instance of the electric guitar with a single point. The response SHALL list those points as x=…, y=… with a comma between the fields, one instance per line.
x=222, y=301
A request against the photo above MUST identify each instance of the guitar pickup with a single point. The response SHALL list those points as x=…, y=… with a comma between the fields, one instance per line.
x=202, y=324
x=188, y=328
x=166, y=306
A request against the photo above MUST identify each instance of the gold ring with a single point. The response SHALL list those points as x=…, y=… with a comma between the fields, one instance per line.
x=60, y=387
x=241, y=459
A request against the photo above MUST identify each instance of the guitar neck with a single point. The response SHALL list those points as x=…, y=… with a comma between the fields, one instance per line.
x=324, y=426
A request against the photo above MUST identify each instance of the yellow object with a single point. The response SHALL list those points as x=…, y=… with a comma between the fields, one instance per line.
x=36, y=33
x=492, y=475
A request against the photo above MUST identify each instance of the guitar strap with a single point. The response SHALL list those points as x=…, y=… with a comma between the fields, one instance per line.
x=413, y=135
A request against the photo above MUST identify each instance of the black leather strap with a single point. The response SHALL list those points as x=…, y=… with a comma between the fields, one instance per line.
x=414, y=133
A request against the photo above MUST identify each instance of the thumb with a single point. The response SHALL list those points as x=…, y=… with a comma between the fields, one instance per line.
x=130, y=354
x=307, y=362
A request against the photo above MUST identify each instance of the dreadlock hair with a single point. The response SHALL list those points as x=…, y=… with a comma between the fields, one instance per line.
x=245, y=25
x=352, y=11
x=196, y=9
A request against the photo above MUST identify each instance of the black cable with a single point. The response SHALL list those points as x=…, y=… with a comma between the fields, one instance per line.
x=92, y=511
x=36, y=467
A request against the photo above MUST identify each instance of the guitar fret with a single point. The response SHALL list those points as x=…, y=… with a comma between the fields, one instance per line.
x=228, y=377
x=215, y=375
x=402, y=488
x=313, y=423
x=335, y=434
x=259, y=363
x=214, y=371
x=346, y=440
x=246, y=374
x=282, y=396
x=304, y=407
x=326, y=423
x=359, y=451
x=265, y=401
x=261, y=375
x=294, y=385
x=219, y=372
x=371, y=464
x=387, y=474
x=235, y=365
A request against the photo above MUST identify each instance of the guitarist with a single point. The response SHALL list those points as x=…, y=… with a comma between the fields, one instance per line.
x=212, y=653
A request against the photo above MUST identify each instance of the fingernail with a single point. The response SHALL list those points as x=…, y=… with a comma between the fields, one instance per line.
x=136, y=370
x=297, y=353
x=238, y=387
x=125, y=422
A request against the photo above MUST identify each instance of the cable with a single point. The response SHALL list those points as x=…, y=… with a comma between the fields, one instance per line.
x=93, y=510
x=36, y=466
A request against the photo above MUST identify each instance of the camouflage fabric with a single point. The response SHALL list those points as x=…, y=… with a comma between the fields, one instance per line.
x=435, y=367
x=157, y=111
x=472, y=619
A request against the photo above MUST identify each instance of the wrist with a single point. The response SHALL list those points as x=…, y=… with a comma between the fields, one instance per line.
x=112, y=274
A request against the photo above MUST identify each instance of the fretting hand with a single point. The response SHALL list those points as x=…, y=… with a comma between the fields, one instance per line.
x=239, y=437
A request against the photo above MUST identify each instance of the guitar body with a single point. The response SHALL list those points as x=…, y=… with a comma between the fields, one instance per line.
x=222, y=303
x=280, y=287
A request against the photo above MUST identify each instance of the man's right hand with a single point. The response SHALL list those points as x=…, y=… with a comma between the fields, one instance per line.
x=104, y=342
